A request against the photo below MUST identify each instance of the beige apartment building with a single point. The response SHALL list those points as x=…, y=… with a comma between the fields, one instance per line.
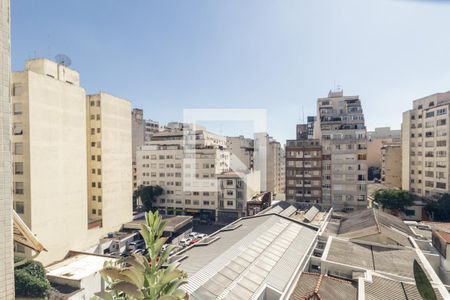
x=425, y=146
x=241, y=150
x=342, y=133
x=185, y=163
x=6, y=198
x=109, y=161
x=375, y=141
x=62, y=146
x=137, y=137
x=235, y=189
x=391, y=165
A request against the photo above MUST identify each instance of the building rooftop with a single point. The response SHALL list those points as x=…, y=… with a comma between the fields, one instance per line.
x=77, y=267
x=397, y=261
x=245, y=256
x=365, y=224
x=320, y=286
x=173, y=223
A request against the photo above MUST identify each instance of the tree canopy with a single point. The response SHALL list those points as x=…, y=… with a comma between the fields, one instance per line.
x=440, y=210
x=148, y=195
x=393, y=199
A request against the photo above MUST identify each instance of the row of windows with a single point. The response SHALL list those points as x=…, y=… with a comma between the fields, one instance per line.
x=97, y=212
x=187, y=202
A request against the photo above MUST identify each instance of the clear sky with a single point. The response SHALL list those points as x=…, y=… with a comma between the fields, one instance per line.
x=169, y=55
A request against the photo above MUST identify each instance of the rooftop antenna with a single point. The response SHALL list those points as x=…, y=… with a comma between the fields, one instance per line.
x=63, y=59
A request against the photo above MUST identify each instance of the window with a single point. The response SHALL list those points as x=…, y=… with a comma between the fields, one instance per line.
x=94, y=198
x=441, y=122
x=187, y=202
x=99, y=171
x=93, y=184
x=92, y=117
x=17, y=89
x=205, y=202
x=99, y=198
x=441, y=143
x=98, y=102
x=99, y=212
x=441, y=111
x=230, y=203
x=99, y=158
x=94, y=211
x=92, y=103
x=99, y=185
x=429, y=114
x=441, y=164
x=18, y=148
x=99, y=130
x=17, y=108
x=429, y=134
x=440, y=185
x=18, y=168
x=229, y=182
x=441, y=153
x=18, y=248
x=92, y=131
x=17, y=129
x=18, y=188
x=20, y=207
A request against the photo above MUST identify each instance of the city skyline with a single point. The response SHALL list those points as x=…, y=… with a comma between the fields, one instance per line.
x=288, y=54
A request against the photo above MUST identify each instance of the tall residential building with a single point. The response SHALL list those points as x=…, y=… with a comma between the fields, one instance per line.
x=342, y=133
x=62, y=144
x=391, y=165
x=241, y=151
x=109, y=160
x=185, y=162
x=6, y=201
x=310, y=126
x=425, y=146
x=49, y=156
x=304, y=170
x=269, y=160
x=235, y=189
x=137, y=136
x=375, y=141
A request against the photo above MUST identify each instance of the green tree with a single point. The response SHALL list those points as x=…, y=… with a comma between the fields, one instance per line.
x=140, y=277
x=422, y=283
x=30, y=280
x=440, y=210
x=394, y=200
x=148, y=195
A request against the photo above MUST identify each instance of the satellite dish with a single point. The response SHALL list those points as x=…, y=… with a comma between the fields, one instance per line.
x=63, y=59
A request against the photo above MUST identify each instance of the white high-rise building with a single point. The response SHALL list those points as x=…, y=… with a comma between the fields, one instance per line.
x=269, y=161
x=342, y=133
x=185, y=163
x=6, y=202
x=425, y=146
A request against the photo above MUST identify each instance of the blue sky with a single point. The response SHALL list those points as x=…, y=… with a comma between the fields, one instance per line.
x=278, y=55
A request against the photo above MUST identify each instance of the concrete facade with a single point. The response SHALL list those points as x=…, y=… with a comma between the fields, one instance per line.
x=185, y=163
x=235, y=189
x=49, y=157
x=342, y=133
x=425, y=146
x=376, y=139
x=242, y=153
x=391, y=165
x=138, y=130
x=6, y=198
x=304, y=171
x=109, y=161
x=269, y=161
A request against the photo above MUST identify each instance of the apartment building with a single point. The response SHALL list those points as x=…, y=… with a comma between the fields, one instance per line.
x=151, y=127
x=425, y=146
x=391, y=165
x=310, y=126
x=71, y=159
x=242, y=152
x=235, y=189
x=375, y=141
x=49, y=156
x=185, y=163
x=109, y=161
x=304, y=170
x=137, y=137
x=342, y=133
x=6, y=198
x=269, y=161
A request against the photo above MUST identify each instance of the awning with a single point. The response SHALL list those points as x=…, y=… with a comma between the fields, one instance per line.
x=24, y=236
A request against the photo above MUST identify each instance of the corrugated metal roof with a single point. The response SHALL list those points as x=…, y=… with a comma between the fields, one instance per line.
x=311, y=213
x=265, y=249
